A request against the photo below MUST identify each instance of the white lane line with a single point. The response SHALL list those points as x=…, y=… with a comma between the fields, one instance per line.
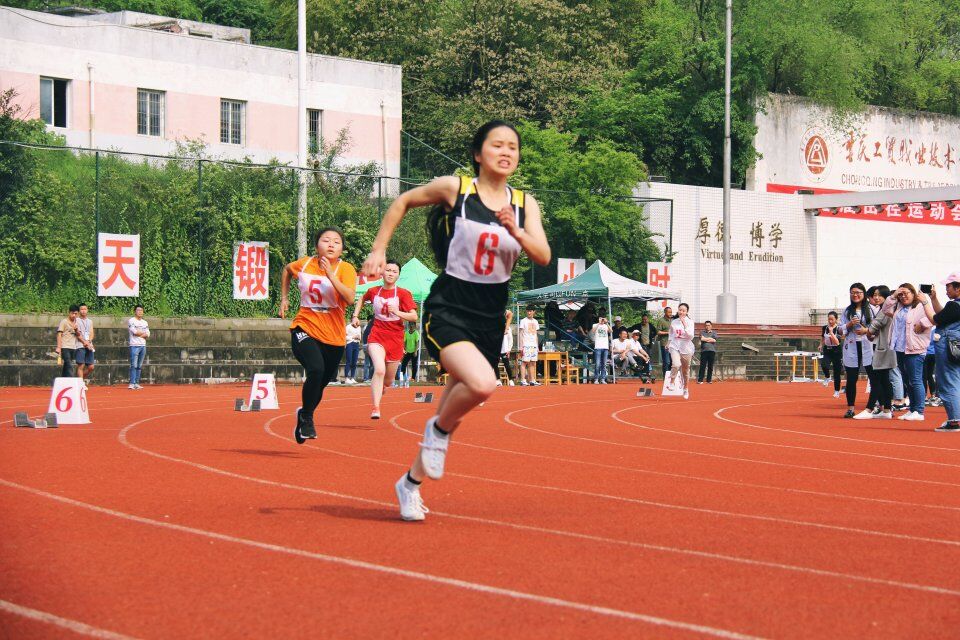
x=72, y=625
x=824, y=435
x=712, y=512
x=615, y=416
x=508, y=418
x=704, y=479
x=389, y=570
x=521, y=527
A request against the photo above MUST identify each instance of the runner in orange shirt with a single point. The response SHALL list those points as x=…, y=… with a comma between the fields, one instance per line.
x=318, y=333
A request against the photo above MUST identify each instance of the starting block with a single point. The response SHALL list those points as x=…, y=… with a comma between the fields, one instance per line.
x=423, y=397
x=48, y=421
x=643, y=392
x=238, y=405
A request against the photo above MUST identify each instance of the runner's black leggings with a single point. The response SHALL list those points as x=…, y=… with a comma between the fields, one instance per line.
x=505, y=359
x=929, y=374
x=881, y=389
x=833, y=365
x=321, y=362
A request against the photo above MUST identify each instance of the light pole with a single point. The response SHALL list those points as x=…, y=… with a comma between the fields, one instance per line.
x=301, y=127
x=726, y=301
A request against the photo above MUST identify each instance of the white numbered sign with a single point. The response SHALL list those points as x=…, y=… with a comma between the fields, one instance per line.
x=264, y=389
x=69, y=401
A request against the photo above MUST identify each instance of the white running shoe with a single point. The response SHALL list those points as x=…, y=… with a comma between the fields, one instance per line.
x=375, y=415
x=826, y=381
x=510, y=383
x=499, y=383
x=866, y=414
x=132, y=386
x=913, y=416
x=686, y=394
x=836, y=394
x=411, y=504
x=883, y=415
x=433, y=450
x=524, y=383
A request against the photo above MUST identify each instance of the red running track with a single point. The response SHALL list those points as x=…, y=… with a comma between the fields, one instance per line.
x=750, y=510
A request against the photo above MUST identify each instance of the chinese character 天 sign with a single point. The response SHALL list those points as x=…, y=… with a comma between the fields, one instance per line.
x=251, y=270
x=118, y=265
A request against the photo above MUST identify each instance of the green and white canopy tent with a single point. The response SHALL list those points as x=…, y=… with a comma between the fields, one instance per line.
x=416, y=278
x=598, y=282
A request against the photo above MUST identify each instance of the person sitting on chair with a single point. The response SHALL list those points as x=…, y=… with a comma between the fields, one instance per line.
x=621, y=349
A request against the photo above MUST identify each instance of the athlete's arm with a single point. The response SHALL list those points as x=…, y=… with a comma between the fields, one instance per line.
x=532, y=238
x=438, y=191
x=285, y=289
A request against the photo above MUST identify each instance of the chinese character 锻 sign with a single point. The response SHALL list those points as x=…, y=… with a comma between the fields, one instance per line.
x=251, y=270
x=118, y=265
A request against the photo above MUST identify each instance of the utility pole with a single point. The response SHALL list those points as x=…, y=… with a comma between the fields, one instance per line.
x=726, y=301
x=302, y=127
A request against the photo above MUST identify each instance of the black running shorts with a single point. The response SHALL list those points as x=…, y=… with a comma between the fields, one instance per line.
x=439, y=334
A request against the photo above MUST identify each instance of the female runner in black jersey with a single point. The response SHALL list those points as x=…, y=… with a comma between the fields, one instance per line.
x=477, y=229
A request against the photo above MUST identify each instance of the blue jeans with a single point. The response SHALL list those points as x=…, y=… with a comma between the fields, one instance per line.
x=911, y=367
x=665, y=359
x=600, y=358
x=948, y=373
x=896, y=382
x=137, y=355
x=353, y=352
x=367, y=365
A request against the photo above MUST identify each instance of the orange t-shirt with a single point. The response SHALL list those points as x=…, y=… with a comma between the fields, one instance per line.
x=322, y=307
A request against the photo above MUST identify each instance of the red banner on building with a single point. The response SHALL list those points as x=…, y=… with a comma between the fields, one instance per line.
x=939, y=213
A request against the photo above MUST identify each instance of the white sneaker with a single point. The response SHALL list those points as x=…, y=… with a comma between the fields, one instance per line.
x=510, y=383
x=913, y=416
x=826, y=382
x=132, y=386
x=499, y=383
x=534, y=384
x=433, y=450
x=686, y=394
x=883, y=415
x=866, y=414
x=836, y=394
x=524, y=383
x=411, y=504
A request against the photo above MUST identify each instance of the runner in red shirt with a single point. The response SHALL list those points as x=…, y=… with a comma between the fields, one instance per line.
x=392, y=306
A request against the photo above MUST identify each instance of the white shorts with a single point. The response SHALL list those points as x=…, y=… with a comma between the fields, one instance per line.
x=529, y=354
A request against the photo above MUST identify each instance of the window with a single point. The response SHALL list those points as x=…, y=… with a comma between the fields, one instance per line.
x=314, y=130
x=232, y=114
x=150, y=112
x=53, y=101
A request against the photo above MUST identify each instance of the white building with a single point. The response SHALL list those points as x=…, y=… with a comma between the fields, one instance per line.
x=138, y=82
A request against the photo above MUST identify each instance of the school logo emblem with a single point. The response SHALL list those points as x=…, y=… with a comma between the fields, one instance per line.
x=815, y=156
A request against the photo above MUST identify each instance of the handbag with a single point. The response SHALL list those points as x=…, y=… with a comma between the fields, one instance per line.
x=953, y=350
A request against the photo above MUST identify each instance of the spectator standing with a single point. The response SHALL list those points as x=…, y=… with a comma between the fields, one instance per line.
x=139, y=331
x=529, y=346
x=352, y=350
x=600, y=332
x=947, y=318
x=616, y=326
x=411, y=354
x=506, y=347
x=681, y=346
x=830, y=337
x=879, y=404
x=708, y=352
x=67, y=342
x=663, y=333
x=85, y=350
x=910, y=339
x=367, y=362
x=929, y=365
x=857, y=350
